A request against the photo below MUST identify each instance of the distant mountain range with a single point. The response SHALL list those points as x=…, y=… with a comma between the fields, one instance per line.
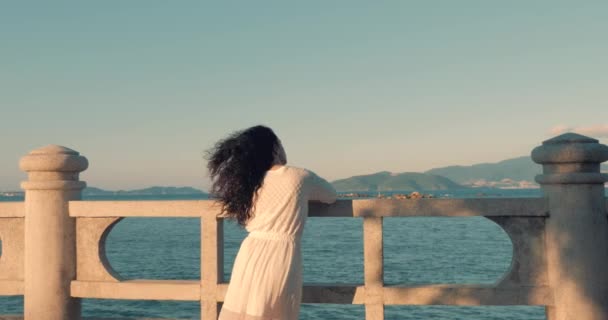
x=516, y=172
x=511, y=173
x=152, y=191
x=386, y=181
x=522, y=168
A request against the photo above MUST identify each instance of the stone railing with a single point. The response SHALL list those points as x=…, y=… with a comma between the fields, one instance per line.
x=53, y=243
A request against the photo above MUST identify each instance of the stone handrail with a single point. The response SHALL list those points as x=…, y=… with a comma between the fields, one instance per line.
x=560, y=252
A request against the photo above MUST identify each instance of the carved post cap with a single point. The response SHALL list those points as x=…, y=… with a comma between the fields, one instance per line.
x=53, y=167
x=54, y=158
x=571, y=158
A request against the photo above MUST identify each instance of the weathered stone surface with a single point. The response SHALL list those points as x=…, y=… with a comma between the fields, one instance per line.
x=12, y=210
x=173, y=208
x=430, y=208
x=11, y=261
x=53, y=158
x=529, y=264
x=212, y=265
x=178, y=290
x=570, y=148
x=50, y=238
x=92, y=263
x=11, y=287
x=576, y=231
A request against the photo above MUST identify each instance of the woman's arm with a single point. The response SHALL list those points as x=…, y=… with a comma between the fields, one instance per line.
x=321, y=190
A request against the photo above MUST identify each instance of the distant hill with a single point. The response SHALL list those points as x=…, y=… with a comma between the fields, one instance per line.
x=516, y=169
x=386, y=181
x=522, y=168
x=151, y=191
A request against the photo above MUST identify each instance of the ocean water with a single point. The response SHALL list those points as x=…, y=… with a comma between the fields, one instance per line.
x=418, y=250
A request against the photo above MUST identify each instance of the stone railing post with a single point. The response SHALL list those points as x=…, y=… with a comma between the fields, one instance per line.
x=373, y=268
x=576, y=231
x=50, y=234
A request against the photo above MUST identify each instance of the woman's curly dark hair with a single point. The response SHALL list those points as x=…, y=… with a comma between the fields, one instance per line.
x=237, y=166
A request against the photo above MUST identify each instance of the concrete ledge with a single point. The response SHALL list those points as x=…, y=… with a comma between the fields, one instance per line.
x=136, y=208
x=491, y=207
x=462, y=295
x=524, y=207
x=12, y=209
x=454, y=295
x=342, y=208
x=177, y=290
x=11, y=288
x=457, y=295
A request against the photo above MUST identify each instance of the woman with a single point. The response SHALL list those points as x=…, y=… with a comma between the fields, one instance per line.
x=254, y=185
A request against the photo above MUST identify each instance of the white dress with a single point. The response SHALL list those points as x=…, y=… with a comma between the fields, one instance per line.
x=266, y=282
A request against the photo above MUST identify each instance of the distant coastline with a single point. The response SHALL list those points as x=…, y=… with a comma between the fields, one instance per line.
x=12, y=194
x=151, y=191
x=515, y=173
x=93, y=192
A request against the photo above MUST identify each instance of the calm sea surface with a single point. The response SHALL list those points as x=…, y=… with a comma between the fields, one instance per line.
x=417, y=251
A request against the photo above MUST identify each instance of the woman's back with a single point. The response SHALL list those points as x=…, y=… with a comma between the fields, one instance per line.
x=281, y=203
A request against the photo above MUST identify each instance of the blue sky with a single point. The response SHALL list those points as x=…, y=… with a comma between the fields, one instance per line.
x=142, y=88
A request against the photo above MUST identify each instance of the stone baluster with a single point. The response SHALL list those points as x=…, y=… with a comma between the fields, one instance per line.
x=50, y=233
x=576, y=231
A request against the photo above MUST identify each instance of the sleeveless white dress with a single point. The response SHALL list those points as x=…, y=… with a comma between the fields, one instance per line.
x=266, y=282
